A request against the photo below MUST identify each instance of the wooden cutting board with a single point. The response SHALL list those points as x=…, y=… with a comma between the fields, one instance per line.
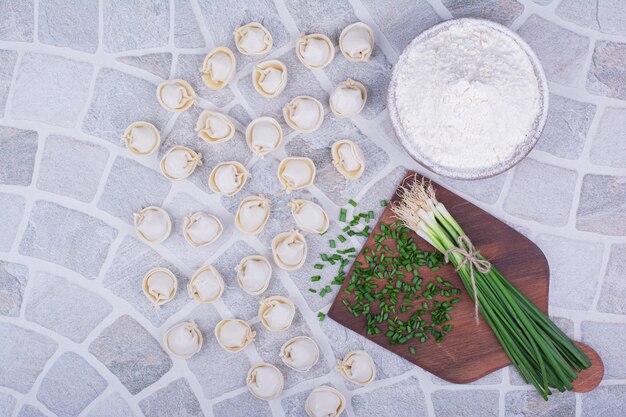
x=469, y=351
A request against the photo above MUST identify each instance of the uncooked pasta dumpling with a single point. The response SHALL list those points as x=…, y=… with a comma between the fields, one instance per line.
x=252, y=214
x=315, y=51
x=263, y=135
x=228, y=178
x=159, y=285
x=348, y=159
x=214, y=127
x=206, y=285
x=300, y=353
x=253, y=274
x=269, y=78
x=309, y=216
x=276, y=313
x=289, y=250
x=348, y=98
x=295, y=173
x=325, y=401
x=142, y=138
x=183, y=340
x=219, y=68
x=265, y=381
x=358, y=367
x=253, y=39
x=304, y=114
x=152, y=224
x=233, y=334
x=357, y=42
x=179, y=163
x=201, y=229
x=175, y=95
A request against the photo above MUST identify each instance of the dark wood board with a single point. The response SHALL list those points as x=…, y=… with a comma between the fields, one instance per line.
x=469, y=351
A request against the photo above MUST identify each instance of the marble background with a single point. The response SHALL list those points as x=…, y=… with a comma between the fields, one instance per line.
x=77, y=336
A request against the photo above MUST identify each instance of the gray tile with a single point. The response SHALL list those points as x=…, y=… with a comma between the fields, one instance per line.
x=58, y=85
x=486, y=190
x=609, y=145
x=176, y=399
x=602, y=206
x=17, y=20
x=13, y=280
x=541, y=192
x=566, y=129
x=493, y=378
x=30, y=411
x=606, y=401
x=64, y=23
x=610, y=348
x=561, y=51
x=158, y=64
x=71, y=167
x=65, y=308
x=70, y=385
x=324, y=17
x=501, y=11
x=608, y=16
x=7, y=404
x=131, y=187
x=613, y=295
x=530, y=403
x=12, y=209
x=404, y=398
x=112, y=405
x=83, y=245
x=23, y=355
x=607, y=74
x=186, y=29
x=465, y=403
x=17, y=155
x=7, y=64
x=244, y=404
x=131, y=354
x=145, y=24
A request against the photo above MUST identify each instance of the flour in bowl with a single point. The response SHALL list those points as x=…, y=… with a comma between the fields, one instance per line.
x=467, y=97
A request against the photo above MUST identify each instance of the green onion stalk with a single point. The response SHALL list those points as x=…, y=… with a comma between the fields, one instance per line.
x=542, y=354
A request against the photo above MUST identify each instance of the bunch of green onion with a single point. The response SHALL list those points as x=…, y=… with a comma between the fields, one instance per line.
x=542, y=354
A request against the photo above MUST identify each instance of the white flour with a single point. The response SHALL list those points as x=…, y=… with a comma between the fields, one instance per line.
x=467, y=97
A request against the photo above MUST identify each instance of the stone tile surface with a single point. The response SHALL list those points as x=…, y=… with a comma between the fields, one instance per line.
x=131, y=353
x=23, y=355
x=12, y=209
x=528, y=403
x=541, y=192
x=70, y=385
x=61, y=24
x=158, y=64
x=175, y=399
x=501, y=11
x=7, y=404
x=78, y=176
x=607, y=76
x=83, y=245
x=606, y=16
x=7, y=64
x=602, y=208
x=64, y=307
x=606, y=401
x=146, y=25
x=465, y=403
x=111, y=406
x=613, y=294
x=30, y=411
x=17, y=155
x=610, y=349
x=609, y=144
x=46, y=80
x=17, y=20
x=402, y=399
x=244, y=404
x=187, y=32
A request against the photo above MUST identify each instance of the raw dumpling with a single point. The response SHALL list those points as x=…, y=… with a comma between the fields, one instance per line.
x=252, y=214
x=206, y=285
x=233, y=334
x=358, y=367
x=348, y=159
x=253, y=274
x=300, y=353
x=159, y=285
x=142, y=138
x=214, y=127
x=325, y=401
x=304, y=114
x=201, y=229
x=356, y=42
x=289, y=250
x=265, y=381
x=315, y=51
x=309, y=216
x=152, y=224
x=269, y=78
x=228, y=178
x=219, y=68
x=253, y=39
x=175, y=95
x=263, y=135
x=183, y=340
x=276, y=313
x=295, y=173
x=348, y=98
x=179, y=162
